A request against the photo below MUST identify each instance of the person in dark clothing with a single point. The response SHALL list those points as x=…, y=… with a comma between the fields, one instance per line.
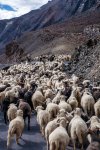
x=67, y=91
x=5, y=106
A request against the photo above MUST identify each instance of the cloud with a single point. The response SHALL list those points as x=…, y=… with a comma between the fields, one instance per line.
x=20, y=6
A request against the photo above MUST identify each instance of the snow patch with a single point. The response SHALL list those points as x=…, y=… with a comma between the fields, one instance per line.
x=8, y=24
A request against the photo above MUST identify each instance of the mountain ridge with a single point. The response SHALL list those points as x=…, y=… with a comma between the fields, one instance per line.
x=54, y=12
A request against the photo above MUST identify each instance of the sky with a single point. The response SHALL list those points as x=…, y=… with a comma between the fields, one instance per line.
x=14, y=8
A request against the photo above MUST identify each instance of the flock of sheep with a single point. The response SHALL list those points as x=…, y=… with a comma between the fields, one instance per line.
x=67, y=108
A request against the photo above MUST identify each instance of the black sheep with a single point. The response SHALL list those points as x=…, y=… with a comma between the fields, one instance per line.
x=25, y=107
x=28, y=97
x=5, y=106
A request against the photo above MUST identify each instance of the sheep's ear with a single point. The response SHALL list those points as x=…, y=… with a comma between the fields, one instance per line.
x=58, y=120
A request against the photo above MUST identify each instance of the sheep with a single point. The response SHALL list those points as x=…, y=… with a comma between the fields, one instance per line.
x=72, y=100
x=94, y=129
x=53, y=110
x=59, y=138
x=43, y=118
x=87, y=103
x=12, y=94
x=51, y=126
x=27, y=97
x=94, y=146
x=11, y=113
x=75, y=79
x=59, y=84
x=94, y=123
x=2, y=97
x=86, y=83
x=56, y=99
x=62, y=113
x=16, y=127
x=96, y=93
x=77, y=128
x=2, y=88
x=38, y=98
x=97, y=108
x=5, y=106
x=64, y=105
x=49, y=94
x=25, y=107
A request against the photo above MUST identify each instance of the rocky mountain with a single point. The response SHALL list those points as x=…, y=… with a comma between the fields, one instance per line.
x=54, y=12
x=86, y=60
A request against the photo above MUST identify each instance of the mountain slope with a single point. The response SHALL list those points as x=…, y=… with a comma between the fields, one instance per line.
x=55, y=11
x=58, y=38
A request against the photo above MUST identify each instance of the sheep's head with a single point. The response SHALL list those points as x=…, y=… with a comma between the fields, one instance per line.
x=15, y=94
x=48, y=100
x=77, y=111
x=39, y=108
x=86, y=83
x=94, y=119
x=62, y=121
x=62, y=111
x=20, y=113
x=12, y=104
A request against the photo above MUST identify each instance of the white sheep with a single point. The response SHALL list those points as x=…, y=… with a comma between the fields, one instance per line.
x=49, y=94
x=94, y=126
x=57, y=98
x=11, y=113
x=95, y=122
x=87, y=103
x=77, y=128
x=62, y=113
x=51, y=126
x=53, y=110
x=59, y=138
x=13, y=93
x=43, y=118
x=72, y=101
x=65, y=105
x=16, y=126
x=38, y=98
x=97, y=108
